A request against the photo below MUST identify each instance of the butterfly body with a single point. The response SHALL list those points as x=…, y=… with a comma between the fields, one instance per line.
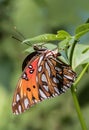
x=44, y=76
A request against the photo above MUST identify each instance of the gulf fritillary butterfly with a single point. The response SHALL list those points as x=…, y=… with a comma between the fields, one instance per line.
x=44, y=76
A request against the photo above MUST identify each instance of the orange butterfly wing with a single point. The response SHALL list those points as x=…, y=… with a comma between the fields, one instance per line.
x=26, y=93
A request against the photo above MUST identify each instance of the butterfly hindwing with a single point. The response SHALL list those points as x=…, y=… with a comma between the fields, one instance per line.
x=54, y=77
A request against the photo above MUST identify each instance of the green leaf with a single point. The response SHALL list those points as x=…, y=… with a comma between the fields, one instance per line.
x=87, y=21
x=48, y=37
x=80, y=55
x=63, y=44
x=63, y=35
x=66, y=46
x=42, y=38
x=87, y=49
x=64, y=57
x=81, y=30
x=29, y=50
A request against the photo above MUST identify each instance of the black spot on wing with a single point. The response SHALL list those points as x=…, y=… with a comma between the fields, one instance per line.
x=28, y=89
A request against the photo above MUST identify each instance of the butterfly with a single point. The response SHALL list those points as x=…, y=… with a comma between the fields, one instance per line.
x=44, y=76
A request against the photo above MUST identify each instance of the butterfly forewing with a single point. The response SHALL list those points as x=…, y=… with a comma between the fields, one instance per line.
x=26, y=93
x=44, y=76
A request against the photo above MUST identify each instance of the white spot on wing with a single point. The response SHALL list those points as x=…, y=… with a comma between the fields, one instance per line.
x=41, y=58
x=58, y=69
x=43, y=78
x=17, y=97
x=14, y=103
x=19, y=108
x=40, y=69
x=55, y=80
x=24, y=75
x=49, y=54
x=46, y=88
x=69, y=84
x=20, y=83
x=26, y=103
x=49, y=62
x=47, y=67
x=68, y=77
x=56, y=94
x=42, y=94
x=65, y=87
x=16, y=112
x=73, y=73
x=36, y=79
x=53, y=95
x=56, y=90
x=30, y=66
x=35, y=100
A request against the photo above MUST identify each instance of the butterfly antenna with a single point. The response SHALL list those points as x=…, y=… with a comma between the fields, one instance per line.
x=21, y=36
x=19, y=33
x=16, y=38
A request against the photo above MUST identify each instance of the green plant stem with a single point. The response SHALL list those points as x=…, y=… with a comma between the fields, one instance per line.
x=83, y=125
x=81, y=75
x=75, y=99
x=76, y=103
x=72, y=51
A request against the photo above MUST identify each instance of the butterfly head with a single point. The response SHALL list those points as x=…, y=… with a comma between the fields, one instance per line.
x=40, y=48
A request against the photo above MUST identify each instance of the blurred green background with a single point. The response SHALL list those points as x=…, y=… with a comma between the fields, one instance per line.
x=32, y=18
